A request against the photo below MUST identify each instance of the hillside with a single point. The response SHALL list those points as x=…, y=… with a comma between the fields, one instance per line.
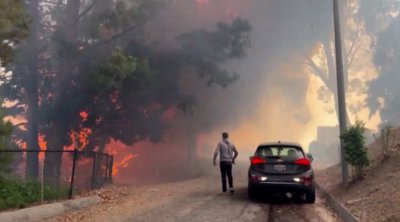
x=377, y=197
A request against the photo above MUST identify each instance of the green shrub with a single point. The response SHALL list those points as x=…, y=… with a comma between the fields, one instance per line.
x=50, y=193
x=355, y=149
x=6, y=128
x=17, y=194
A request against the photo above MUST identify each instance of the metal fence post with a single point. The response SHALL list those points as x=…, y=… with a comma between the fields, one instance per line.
x=107, y=165
x=71, y=188
x=94, y=170
x=111, y=169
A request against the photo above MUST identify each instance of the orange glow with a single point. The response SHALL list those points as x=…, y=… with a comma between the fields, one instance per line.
x=83, y=115
x=42, y=146
x=21, y=144
x=123, y=163
x=122, y=155
x=79, y=139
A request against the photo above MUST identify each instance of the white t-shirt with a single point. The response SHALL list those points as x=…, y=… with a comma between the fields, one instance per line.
x=226, y=150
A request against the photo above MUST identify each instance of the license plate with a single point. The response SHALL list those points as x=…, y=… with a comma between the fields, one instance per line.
x=279, y=167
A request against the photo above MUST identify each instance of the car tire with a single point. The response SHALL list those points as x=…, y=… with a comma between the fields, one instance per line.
x=310, y=197
x=252, y=192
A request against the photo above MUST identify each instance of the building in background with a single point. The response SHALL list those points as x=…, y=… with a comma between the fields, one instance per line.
x=325, y=148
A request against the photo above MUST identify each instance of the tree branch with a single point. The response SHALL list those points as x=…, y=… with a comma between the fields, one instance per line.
x=115, y=37
x=14, y=106
x=353, y=55
x=88, y=9
x=21, y=124
x=353, y=48
x=318, y=71
x=331, y=65
x=51, y=3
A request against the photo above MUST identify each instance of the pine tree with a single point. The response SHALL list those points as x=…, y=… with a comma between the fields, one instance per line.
x=13, y=28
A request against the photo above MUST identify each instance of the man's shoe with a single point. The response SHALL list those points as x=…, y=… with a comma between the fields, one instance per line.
x=232, y=190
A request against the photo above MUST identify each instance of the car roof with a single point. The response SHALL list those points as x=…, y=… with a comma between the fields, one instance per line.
x=281, y=143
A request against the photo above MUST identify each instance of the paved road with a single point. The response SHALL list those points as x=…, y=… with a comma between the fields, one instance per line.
x=196, y=200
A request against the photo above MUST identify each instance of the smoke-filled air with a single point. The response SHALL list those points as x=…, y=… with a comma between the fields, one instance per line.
x=156, y=82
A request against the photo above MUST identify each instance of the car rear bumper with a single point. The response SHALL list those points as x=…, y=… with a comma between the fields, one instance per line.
x=303, y=182
x=272, y=187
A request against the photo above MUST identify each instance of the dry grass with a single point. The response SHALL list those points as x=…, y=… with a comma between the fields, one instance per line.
x=377, y=196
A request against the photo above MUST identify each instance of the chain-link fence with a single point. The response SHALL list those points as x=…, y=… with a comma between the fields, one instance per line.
x=70, y=171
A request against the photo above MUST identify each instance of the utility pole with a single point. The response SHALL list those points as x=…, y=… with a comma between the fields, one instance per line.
x=340, y=87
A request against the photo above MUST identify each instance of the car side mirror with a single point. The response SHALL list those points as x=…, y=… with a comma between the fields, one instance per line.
x=310, y=156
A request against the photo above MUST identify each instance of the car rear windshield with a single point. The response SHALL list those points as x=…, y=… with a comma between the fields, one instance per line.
x=284, y=152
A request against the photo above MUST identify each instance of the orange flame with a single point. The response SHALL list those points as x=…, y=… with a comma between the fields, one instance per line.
x=80, y=139
x=123, y=163
x=42, y=146
x=122, y=155
x=83, y=115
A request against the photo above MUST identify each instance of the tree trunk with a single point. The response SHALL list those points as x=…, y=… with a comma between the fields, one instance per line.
x=99, y=158
x=331, y=83
x=31, y=87
x=59, y=129
x=32, y=161
x=54, y=160
x=359, y=172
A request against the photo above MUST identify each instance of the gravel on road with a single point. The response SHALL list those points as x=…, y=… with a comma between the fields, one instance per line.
x=195, y=200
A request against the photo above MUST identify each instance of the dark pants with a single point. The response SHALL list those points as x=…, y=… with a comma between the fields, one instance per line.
x=226, y=171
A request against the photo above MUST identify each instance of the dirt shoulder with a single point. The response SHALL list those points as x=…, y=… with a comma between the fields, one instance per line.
x=377, y=197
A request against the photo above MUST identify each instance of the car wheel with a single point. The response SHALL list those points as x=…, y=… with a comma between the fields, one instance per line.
x=252, y=193
x=310, y=196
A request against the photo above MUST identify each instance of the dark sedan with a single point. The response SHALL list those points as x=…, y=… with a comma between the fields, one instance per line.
x=281, y=167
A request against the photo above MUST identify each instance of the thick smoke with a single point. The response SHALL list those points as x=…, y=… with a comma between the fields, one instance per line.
x=272, y=77
x=268, y=102
x=384, y=91
x=381, y=20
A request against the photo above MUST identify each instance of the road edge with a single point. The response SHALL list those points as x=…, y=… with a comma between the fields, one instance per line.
x=336, y=206
x=48, y=210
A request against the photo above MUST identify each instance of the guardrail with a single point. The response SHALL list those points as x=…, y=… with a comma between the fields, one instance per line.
x=339, y=209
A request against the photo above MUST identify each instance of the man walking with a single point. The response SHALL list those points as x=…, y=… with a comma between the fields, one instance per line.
x=227, y=154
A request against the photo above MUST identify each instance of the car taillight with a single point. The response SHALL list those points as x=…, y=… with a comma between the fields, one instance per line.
x=303, y=162
x=257, y=160
x=307, y=180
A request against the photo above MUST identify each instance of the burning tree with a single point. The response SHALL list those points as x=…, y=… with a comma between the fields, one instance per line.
x=356, y=41
x=368, y=24
x=93, y=57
